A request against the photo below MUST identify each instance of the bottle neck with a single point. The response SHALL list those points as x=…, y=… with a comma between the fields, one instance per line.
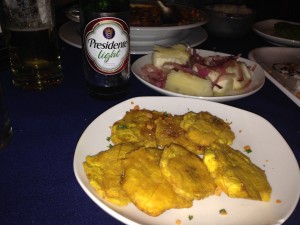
x=105, y=5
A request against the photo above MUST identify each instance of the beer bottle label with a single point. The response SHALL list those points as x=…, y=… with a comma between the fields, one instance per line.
x=106, y=45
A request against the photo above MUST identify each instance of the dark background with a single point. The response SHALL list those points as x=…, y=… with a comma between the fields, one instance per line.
x=265, y=9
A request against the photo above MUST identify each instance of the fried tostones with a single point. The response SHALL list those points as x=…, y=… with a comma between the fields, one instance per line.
x=146, y=186
x=186, y=173
x=136, y=126
x=104, y=172
x=155, y=162
x=204, y=128
x=235, y=174
x=168, y=131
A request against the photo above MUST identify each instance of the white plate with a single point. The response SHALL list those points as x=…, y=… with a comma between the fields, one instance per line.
x=257, y=83
x=265, y=29
x=69, y=33
x=194, y=37
x=267, y=56
x=150, y=42
x=269, y=152
x=144, y=34
x=149, y=34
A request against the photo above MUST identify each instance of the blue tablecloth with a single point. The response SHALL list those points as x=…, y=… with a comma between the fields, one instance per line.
x=37, y=182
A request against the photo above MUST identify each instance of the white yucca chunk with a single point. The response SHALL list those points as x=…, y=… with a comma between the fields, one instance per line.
x=246, y=71
x=176, y=54
x=239, y=83
x=185, y=83
x=224, y=86
x=213, y=75
x=247, y=76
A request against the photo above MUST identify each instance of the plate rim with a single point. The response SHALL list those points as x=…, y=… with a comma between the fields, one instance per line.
x=171, y=28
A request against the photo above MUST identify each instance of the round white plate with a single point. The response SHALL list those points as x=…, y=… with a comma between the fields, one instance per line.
x=257, y=83
x=194, y=37
x=267, y=56
x=154, y=34
x=69, y=33
x=265, y=29
x=146, y=34
x=269, y=152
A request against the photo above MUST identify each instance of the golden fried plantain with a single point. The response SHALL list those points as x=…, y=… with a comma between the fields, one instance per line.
x=235, y=174
x=136, y=126
x=186, y=173
x=168, y=131
x=146, y=186
x=104, y=172
x=204, y=128
x=155, y=164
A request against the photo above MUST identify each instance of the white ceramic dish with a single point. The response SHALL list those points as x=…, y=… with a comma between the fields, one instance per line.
x=194, y=37
x=69, y=33
x=147, y=34
x=154, y=34
x=257, y=82
x=150, y=42
x=265, y=29
x=267, y=56
x=270, y=152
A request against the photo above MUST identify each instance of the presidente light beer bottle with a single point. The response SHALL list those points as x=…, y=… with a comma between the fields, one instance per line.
x=106, y=46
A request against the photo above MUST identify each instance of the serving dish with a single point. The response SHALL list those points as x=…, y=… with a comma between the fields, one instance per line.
x=267, y=56
x=194, y=37
x=69, y=33
x=270, y=152
x=265, y=29
x=154, y=34
x=144, y=31
x=257, y=83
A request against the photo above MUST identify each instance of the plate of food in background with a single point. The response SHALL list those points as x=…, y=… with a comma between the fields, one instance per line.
x=282, y=68
x=195, y=73
x=136, y=138
x=147, y=28
x=146, y=24
x=279, y=32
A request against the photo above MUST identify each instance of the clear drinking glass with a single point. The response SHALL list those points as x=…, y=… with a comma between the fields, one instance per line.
x=29, y=30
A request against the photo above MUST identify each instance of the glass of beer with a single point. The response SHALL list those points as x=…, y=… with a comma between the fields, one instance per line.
x=29, y=30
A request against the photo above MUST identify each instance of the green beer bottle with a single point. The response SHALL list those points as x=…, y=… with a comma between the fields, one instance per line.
x=105, y=46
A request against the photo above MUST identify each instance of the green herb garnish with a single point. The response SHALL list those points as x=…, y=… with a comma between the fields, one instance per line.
x=122, y=127
x=223, y=211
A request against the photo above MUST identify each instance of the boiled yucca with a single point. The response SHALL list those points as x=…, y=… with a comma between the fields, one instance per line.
x=188, y=84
